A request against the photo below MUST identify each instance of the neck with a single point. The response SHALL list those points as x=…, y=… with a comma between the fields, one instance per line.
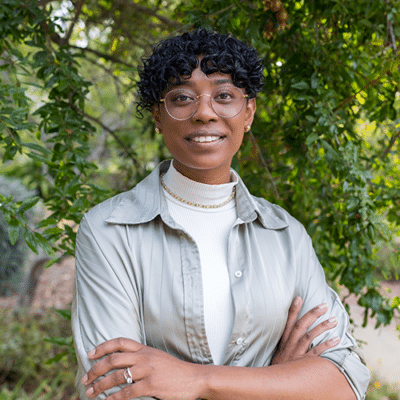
x=209, y=177
x=184, y=190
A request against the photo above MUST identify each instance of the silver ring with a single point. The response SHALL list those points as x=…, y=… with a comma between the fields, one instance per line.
x=128, y=375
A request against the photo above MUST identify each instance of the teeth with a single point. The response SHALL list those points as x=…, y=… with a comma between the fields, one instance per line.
x=205, y=138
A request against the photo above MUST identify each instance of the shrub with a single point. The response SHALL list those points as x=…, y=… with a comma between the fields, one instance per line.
x=388, y=257
x=24, y=355
x=13, y=257
x=380, y=390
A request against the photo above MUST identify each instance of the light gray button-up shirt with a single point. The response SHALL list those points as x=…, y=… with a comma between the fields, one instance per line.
x=138, y=276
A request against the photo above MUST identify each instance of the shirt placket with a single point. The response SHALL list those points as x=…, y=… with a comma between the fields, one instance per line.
x=237, y=267
x=193, y=301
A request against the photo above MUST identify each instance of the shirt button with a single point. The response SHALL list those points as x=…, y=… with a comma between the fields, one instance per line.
x=239, y=341
x=238, y=274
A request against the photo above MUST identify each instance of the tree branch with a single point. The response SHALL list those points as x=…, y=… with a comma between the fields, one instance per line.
x=103, y=55
x=108, y=71
x=350, y=98
x=113, y=134
x=372, y=82
x=78, y=10
x=390, y=145
x=264, y=163
x=148, y=11
x=183, y=27
x=43, y=2
x=392, y=37
x=95, y=154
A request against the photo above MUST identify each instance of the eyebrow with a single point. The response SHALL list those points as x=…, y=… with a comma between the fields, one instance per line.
x=217, y=82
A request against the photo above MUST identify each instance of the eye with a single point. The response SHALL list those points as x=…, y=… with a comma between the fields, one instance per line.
x=181, y=98
x=225, y=96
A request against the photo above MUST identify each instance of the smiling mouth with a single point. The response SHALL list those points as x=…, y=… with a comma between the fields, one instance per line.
x=205, y=139
x=202, y=139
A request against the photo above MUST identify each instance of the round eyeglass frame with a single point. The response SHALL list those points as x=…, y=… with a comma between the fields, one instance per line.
x=198, y=103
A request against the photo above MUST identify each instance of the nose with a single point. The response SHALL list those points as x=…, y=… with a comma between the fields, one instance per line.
x=204, y=110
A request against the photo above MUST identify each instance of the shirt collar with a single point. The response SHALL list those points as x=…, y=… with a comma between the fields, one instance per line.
x=147, y=200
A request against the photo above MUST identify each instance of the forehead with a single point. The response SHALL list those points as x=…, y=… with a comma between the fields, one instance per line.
x=199, y=80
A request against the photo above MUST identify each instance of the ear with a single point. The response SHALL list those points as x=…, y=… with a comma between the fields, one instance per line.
x=250, y=111
x=155, y=112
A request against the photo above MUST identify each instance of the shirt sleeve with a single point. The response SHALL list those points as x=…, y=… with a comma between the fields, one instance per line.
x=313, y=289
x=106, y=302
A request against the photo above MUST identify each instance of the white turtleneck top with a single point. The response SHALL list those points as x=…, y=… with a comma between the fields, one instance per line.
x=210, y=230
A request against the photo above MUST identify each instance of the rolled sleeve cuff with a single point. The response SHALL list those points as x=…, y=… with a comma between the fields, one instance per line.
x=352, y=367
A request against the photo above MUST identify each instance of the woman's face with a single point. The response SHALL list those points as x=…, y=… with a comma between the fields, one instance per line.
x=206, y=162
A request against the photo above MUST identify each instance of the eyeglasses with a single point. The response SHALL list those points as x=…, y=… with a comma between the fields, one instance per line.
x=182, y=104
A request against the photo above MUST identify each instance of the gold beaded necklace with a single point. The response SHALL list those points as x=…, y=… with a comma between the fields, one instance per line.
x=190, y=203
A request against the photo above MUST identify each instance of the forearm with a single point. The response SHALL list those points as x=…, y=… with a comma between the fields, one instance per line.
x=305, y=379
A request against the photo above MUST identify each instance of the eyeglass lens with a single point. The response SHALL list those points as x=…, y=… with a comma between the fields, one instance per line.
x=226, y=101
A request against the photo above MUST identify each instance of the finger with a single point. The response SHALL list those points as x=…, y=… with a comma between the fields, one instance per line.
x=303, y=324
x=114, y=345
x=112, y=362
x=309, y=336
x=301, y=327
x=318, y=350
x=292, y=317
x=320, y=328
x=115, y=379
x=129, y=392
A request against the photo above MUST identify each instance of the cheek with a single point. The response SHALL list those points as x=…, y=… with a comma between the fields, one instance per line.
x=237, y=129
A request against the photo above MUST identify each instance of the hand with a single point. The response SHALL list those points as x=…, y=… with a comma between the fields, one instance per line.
x=154, y=372
x=296, y=338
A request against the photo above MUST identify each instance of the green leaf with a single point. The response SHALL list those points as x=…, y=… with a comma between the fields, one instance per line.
x=53, y=230
x=43, y=243
x=47, y=222
x=66, y=314
x=27, y=204
x=311, y=139
x=38, y=148
x=310, y=118
x=13, y=233
x=56, y=358
x=30, y=241
x=300, y=85
x=395, y=302
x=352, y=203
x=314, y=80
x=61, y=341
x=37, y=157
x=52, y=262
x=99, y=189
x=15, y=52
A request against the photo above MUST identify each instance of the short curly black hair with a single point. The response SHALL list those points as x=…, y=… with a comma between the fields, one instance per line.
x=176, y=58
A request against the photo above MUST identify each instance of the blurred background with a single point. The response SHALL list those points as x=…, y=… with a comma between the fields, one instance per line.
x=324, y=145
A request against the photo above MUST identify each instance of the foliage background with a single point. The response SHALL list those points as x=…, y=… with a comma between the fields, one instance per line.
x=324, y=145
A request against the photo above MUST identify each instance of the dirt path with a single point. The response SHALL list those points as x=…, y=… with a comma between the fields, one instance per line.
x=54, y=289
x=382, y=346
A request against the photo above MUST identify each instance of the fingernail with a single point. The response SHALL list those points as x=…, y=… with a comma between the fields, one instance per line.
x=91, y=353
x=90, y=391
x=297, y=301
x=333, y=320
x=84, y=379
x=335, y=340
x=323, y=306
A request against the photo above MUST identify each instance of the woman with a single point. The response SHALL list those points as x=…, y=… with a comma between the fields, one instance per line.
x=189, y=287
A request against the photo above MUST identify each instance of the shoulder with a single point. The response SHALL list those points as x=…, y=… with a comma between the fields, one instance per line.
x=136, y=206
x=103, y=210
x=94, y=220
